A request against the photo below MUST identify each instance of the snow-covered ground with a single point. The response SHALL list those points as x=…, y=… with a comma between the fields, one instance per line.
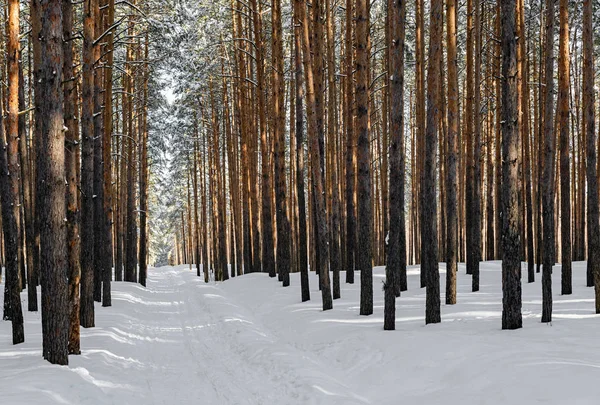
x=250, y=341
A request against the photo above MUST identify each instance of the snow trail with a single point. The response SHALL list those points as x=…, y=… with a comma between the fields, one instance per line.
x=249, y=341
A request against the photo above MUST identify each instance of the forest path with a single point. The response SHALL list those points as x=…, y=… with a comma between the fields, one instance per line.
x=178, y=341
x=248, y=341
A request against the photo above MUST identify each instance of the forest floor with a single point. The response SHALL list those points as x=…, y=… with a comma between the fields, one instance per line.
x=250, y=341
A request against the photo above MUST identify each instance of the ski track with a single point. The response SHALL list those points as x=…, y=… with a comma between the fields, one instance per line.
x=249, y=341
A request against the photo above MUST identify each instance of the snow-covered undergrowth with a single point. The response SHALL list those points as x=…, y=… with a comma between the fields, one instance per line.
x=250, y=341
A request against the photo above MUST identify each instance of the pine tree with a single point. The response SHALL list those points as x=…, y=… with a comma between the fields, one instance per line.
x=511, y=248
x=429, y=215
x=51, y=170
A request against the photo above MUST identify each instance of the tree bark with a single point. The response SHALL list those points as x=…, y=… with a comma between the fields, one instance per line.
x=563, y=124
x=317, y=183
x=71, y=155
x=593, y=263
x=364, y=258
x=429, y=215
x=451, y=165
x=51, y=188
x=9, y=181
x=396, y=258
x=511, y=263
x=87, y=169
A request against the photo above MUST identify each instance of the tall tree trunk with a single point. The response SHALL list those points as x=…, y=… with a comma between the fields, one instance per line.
x=396, y=259
x=317, y=183
x=87, y=169
x=429, y=215
x=107, y=261
x=99, y=214
x=28, y=230
x=299, y=104
x=364, y=261
x=350, y=146
x=71, y=147
x=283, y=225
x=471, y=260
x=131, y=217
x=593, y=230
x=474, y=247
x=452, y=148
x=563, y=124
x=143, y=175
x=511, y=263
x=51, y=188
x=332, y=135
x=9, y=181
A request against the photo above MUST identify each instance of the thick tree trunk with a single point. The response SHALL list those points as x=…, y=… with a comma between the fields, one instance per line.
x=350, y=146
x=87, y=169
x=9, y=181
x=396, y=255
x=593, y=230
x=51, y=188
x=299, y=104
x=283, y=225
x=332, y=135
x=429, y=215
x=563, y=124
x=71, y=147
x=107, y=208
x=451, y=166
x=364, y=259
x=99, y=214
x=474, y=246
x=511, y=263
x=28, y=229
x=317, y=183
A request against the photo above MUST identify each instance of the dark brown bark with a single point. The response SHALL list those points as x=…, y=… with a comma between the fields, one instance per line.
x=511, y=263
x=350, y=146
x=317, y=180
x=107, y=134
x=452, y=148
x=332, y=136
x=283, y=225
x=474, y=245
x=593, y=235
x=51, y=188
x=131, y=135
x=143, y=175
x=99, y=214
x=299, y=105
x=429, y=215
x=9, y=181
x=563, y=124
x=87, y=170
x=364, y=258
x=71, y=155
x=396, y=258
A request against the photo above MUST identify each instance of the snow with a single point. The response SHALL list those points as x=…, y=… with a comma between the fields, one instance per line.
x=251, y=341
